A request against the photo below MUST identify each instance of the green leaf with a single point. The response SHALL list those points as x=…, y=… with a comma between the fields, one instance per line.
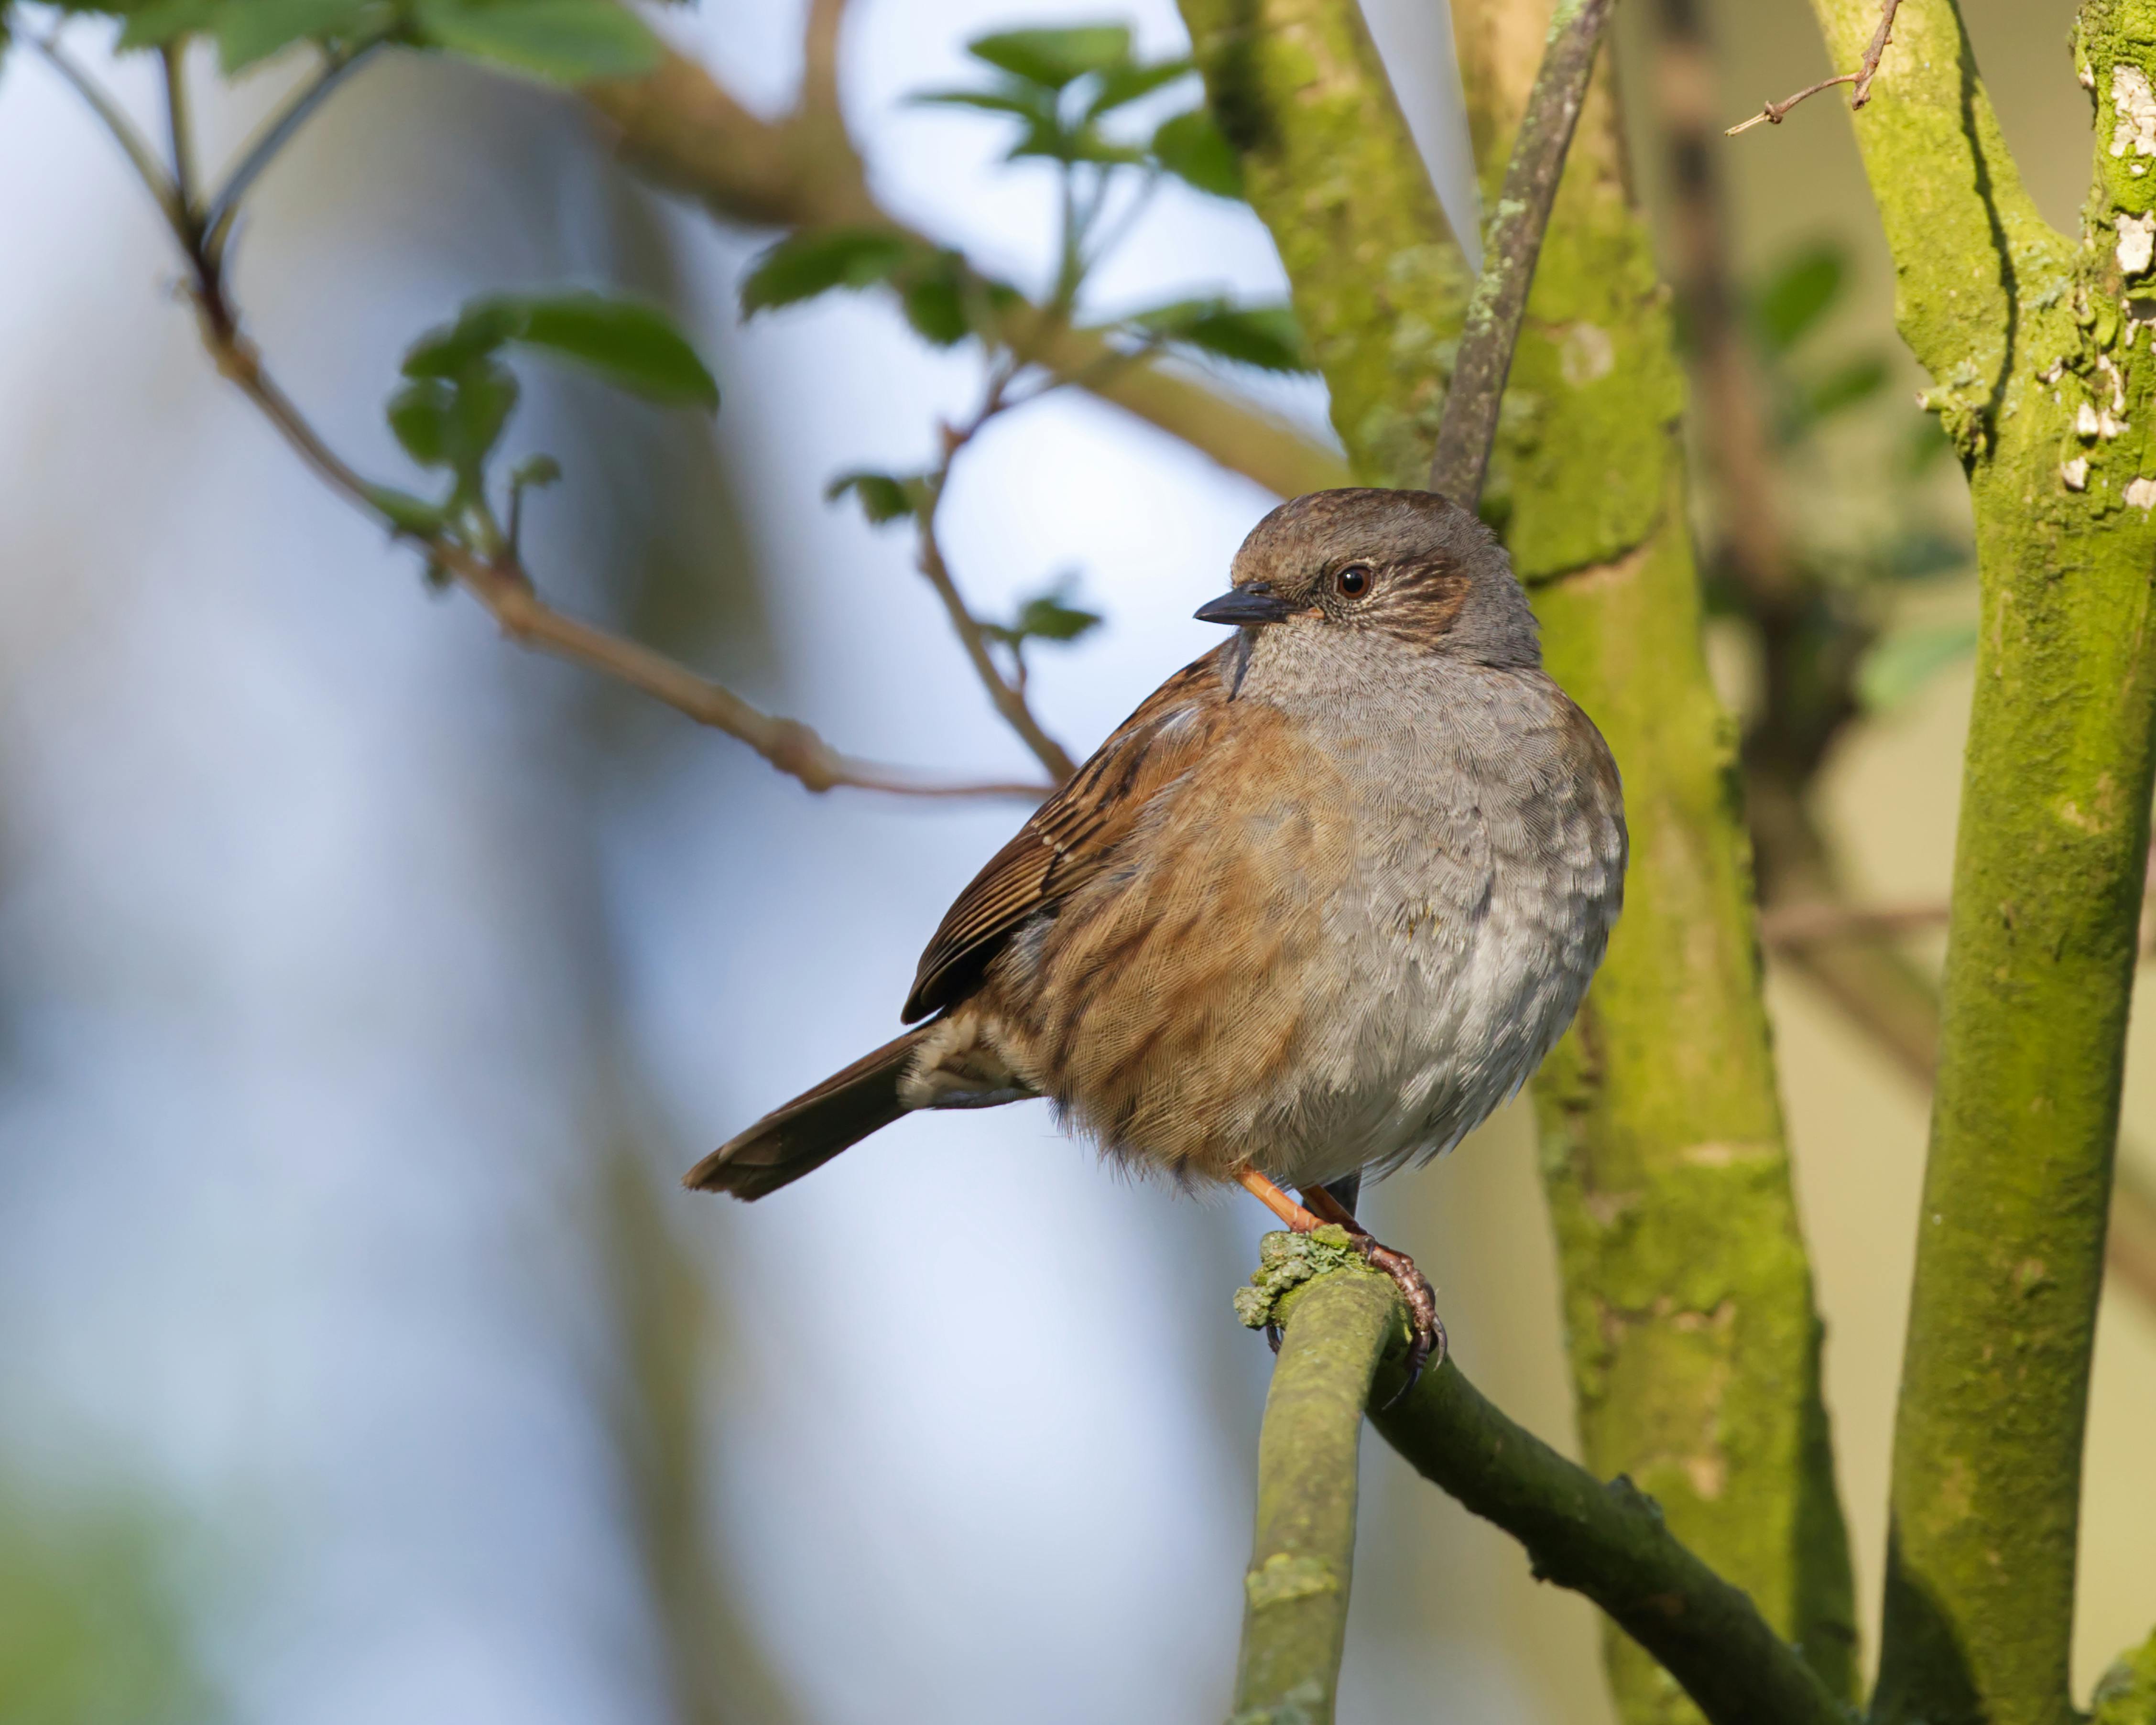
x=1858, y=381
x=1024, y=101
x=1899, y=665
x=483, y=326
x=811, y=263
x=563, y=41
x=252, y=30
x=1267, y=337
x=1798, y=294
x=633, y=345
x=1053, y=58
x=1191, y=147
x=1926, y=441
x=455, y=423
x=534, y=473
x=406, y=513
x=883, y=497
x=1122, y=85
x=1050, y=617
x=163, y=21
x=932, y=291
x=1921, y=556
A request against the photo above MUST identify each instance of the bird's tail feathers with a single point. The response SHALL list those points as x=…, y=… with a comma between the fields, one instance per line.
x=807, y=1131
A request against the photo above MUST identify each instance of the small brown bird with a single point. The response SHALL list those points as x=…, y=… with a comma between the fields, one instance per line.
x=1318, y=906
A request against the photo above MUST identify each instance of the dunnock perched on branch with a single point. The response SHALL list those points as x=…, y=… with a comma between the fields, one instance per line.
x=1319, y=905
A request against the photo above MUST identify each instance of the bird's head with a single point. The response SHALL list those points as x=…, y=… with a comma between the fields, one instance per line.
x=1410, y=565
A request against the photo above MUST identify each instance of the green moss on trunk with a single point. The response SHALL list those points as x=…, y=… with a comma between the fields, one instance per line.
x=2031, y=341
x=1688, y=1296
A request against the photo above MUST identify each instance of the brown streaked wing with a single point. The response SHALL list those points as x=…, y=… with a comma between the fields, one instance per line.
x=1071, y=836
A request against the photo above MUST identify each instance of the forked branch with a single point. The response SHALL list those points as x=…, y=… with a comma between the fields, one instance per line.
x=1491, y=328
x=1773, y=113
x=201, y=227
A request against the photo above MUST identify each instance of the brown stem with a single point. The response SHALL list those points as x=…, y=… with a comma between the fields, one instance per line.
x=1006, y=694
x=1773, y=113
x=1491, y=328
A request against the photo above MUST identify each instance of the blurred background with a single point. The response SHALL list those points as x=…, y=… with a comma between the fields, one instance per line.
x=365, y=983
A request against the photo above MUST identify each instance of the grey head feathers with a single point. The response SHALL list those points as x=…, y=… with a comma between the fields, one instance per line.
x=1413, y=564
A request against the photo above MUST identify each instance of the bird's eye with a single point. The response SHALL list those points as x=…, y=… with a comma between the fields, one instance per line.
x=1352, y=581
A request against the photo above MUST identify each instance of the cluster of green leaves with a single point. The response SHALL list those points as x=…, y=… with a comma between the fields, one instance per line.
x=565, y=41
x=1072, y=92
x=1061, y=84
x=459, y=393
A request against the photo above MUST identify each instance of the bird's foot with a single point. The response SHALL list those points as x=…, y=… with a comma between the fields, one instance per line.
x=1428, y=1341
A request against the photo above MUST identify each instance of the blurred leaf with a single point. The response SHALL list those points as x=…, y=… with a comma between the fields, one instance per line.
x=1024, y=101
x=1053, y=58
x=1858, y=381
x=1926, y=442
x=163, y=21
x=455, y=423
x=1920, y=556
x=564, y=41
x=1122, y=85
x=252, y=30
x=92, y=1624
x=1048, y=616
x=1087, y=144
x=1191, y=147
x=633, y=345
x=1798, y=294
x=1267, y=337
x=410, y=514
x=882, y=496
x=811, y=263
x=1900, y=663
x=483, y=326
x=534, y=473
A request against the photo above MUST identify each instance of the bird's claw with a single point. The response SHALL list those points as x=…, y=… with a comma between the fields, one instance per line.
x=1426, y=1342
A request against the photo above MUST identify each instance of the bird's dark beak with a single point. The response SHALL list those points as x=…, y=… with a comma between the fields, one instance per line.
x=1256, y=603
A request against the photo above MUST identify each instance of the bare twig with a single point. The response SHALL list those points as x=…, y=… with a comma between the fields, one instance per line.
x=224, y=208
x=500, y=583
x=1773, y=113
x=1788, y=927
x=1491, y=328
x=1007, y=695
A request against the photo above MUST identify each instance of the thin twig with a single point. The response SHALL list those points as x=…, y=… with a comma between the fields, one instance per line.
x=224, y=208
x=172, y=58
x=1773, y=113
x=1491, y=328
x=1006, y=694
x=1805, y=924
x=500, y=585
x=138, y=148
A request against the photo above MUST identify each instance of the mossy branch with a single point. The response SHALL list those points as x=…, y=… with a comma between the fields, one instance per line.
x=2126, y=1694
x=1344, y=1326
x=1491, y=329
x=2031, y=341
x=1334, y=1328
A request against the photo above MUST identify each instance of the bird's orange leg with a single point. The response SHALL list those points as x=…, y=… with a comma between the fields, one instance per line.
x=1298, y=1220
x=1415, y=1291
